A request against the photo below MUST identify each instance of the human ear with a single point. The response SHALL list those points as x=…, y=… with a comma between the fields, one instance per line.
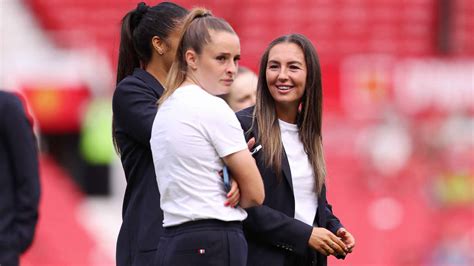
x=191, y=59
x=158, y=45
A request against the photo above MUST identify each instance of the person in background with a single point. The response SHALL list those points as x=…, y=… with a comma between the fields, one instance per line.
x=193, y=135
x=148, y=42
x=295, y=225
x=243, y=91
x=19, y=180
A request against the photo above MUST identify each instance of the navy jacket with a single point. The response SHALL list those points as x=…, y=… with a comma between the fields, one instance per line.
x=134, y=107
x=274, y=236
x=19, y=180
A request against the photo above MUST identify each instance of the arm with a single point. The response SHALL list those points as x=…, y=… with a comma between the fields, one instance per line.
x=324, y=239
x=268, y=225
x=135, y=106
x=246, y=174
x=332, y=222
x=335, y=226
x=21, y=145
x=277, y=229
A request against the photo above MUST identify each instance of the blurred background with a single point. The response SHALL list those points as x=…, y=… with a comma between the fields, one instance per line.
x=398, y=118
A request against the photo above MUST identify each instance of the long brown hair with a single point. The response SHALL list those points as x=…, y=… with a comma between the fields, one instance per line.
x=309, y=119
x=195, y=34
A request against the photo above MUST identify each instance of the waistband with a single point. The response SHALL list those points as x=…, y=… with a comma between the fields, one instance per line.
x=212, y=224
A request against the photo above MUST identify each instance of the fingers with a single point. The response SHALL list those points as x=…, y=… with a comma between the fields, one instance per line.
x=347, y=238
x=251, y=143
x=233, y=197
x=326, y=242
x=233, y=200
x=338, y=244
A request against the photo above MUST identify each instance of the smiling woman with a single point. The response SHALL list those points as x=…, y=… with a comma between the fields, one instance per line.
x=193, y=135
x=295, y=225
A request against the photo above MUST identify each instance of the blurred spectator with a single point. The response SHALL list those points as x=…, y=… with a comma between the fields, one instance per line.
x=243, y=91
x=19, y=180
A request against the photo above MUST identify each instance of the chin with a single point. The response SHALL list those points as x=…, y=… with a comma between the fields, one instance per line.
x=221, y=91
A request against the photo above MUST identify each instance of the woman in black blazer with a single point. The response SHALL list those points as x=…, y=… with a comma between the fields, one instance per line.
x=147, y=49
x=295, y=225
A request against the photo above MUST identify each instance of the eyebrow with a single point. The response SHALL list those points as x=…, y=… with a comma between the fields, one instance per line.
x=289, y=63
x=227, y=54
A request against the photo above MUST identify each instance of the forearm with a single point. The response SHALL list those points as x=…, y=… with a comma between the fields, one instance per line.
x=246, y=174
x=277, y=229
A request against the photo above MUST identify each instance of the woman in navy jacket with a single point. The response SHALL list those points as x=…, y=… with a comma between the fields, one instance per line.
x=295, y=225
x=147, y=49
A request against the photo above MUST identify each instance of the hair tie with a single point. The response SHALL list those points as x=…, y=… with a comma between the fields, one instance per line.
x=142, y=8
x=138, y=14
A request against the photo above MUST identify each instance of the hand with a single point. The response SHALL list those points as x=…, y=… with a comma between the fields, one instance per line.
x=326, y=243
x=233, y=197
x=347, y=238
x=251, y=143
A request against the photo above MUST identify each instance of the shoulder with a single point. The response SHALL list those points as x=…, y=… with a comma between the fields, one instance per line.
x=132, y=91
x=207, y=103
x=129, y=84
x=246, y=113
x=245, y=117
x=9, y=102
x=11, y=105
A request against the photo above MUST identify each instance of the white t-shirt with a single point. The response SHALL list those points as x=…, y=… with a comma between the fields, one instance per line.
x=306, y=199
x=192, y=131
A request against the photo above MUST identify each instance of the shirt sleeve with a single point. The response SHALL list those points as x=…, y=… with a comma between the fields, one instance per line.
x=223, y=129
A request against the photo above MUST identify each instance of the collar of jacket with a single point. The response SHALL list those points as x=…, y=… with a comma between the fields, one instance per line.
x=151, y=81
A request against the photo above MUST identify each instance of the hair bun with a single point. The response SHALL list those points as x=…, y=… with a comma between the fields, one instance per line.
x=142, y=8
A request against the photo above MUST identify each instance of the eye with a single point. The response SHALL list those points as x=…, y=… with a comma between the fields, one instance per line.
x=273, y=66
x=294, y=67
x=221, y=58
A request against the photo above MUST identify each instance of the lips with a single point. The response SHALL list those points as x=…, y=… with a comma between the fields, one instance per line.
x=228, y=82
x=283, y=88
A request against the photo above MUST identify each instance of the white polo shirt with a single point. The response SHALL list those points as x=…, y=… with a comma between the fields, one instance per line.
x=302, y=174
x=192, y=131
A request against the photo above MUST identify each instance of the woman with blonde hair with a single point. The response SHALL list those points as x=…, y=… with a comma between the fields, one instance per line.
x=193, y=135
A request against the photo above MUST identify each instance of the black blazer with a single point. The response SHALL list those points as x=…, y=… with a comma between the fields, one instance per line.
x=274, y=236
x=134, y=107
x=19, y=180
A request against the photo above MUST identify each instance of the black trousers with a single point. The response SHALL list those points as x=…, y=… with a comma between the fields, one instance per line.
x=203, y=243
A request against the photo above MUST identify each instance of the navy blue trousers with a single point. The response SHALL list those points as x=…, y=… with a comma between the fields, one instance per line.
x=203, y=243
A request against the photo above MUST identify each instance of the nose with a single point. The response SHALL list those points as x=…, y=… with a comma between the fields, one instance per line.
x=282, y=75
x=232, y=68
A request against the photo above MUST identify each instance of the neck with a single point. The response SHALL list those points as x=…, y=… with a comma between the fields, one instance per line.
x=157, y=70
x=287, y=113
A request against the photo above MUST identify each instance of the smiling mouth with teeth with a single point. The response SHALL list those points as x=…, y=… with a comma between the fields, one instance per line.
x=283, y=88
